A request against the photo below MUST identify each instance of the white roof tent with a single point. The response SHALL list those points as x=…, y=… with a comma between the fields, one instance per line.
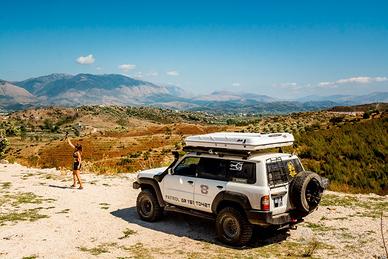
x=239, y=142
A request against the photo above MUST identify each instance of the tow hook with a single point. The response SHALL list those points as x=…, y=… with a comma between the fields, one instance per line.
x=293, y=223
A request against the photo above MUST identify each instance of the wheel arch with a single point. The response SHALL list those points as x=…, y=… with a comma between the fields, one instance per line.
x=228, y=198
x=146, y=183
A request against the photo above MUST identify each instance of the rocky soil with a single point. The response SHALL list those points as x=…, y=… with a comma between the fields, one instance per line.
x=42, y=217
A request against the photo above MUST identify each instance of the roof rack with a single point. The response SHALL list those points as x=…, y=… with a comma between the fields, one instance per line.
x=218, y=151
x=240, y=141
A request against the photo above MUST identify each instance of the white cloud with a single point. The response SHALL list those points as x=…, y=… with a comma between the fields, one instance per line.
x=323, y=84
x=138, y=75
x=152, y=74
x=353, y=80
x=173, y=73
x=289, y=86
x=236, y=84
x=85, y=60
x=286, y=85
x=126, y=67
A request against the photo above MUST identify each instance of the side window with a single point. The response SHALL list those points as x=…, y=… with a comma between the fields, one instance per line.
x=242, y=172
x=187, y=167
x=211, y=168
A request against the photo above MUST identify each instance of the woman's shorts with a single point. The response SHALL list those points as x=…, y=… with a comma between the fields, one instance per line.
x=76, y=166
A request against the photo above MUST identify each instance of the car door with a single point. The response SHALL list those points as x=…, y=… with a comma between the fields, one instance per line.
x=280, y=172
x=178, y=186
x=211, y=179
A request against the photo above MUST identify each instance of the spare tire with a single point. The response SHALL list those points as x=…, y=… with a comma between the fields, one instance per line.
x=305, y=192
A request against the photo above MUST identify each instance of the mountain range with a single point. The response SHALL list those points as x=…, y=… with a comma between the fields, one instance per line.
x=114, y=89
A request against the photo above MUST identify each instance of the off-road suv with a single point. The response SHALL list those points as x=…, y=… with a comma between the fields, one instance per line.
x=227, y=177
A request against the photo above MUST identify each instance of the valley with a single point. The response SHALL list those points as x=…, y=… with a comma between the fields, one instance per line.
x=119, y=139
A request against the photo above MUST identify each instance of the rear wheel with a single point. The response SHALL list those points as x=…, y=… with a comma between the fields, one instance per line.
x=305, y=192
x=233, y=228
x=147, y=206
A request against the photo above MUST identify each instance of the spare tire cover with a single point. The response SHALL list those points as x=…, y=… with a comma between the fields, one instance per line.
x=305, y=192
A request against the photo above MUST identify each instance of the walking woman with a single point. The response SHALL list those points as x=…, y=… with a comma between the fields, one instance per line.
x=77, y=163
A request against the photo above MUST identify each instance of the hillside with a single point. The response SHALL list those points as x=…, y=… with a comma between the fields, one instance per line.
x=14, y=97
x=354, y=156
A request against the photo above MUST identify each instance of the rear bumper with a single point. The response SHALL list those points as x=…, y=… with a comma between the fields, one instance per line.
x=265, y=218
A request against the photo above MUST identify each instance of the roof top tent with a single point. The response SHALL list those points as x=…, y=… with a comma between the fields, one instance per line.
x=240, y=141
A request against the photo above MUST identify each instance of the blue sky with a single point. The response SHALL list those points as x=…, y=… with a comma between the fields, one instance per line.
x=283, y=49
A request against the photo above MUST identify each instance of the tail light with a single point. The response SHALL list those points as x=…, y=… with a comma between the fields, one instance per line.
x=265, y=203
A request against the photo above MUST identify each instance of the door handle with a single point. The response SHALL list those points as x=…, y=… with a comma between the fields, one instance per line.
x=220, y=187
x=190, y=182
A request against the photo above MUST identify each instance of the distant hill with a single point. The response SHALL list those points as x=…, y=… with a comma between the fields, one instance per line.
x=223, y=96
x=254, y=107
x=39, y=84
x=382, y=107
x=375, y=97
x=14, y=97
x=114, y=89
x=85, y=89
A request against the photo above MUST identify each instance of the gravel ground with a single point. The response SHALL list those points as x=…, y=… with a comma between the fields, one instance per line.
x=42, y=217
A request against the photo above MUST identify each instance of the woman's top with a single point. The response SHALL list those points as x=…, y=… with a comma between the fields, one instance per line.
x=75, y=155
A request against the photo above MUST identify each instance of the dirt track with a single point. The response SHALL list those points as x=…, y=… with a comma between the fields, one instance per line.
x=41, y=216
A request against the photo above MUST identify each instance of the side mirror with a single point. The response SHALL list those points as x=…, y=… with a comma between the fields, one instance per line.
x=176, y=154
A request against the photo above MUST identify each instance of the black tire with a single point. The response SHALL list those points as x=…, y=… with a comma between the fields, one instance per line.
x=147, y=206
x=305, y=192
x=233, y=228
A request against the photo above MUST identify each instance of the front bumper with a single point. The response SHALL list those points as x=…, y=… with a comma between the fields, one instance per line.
x=265, y=218
x=136, y=185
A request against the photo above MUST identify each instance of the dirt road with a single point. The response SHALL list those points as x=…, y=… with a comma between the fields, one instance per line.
x=41, y=217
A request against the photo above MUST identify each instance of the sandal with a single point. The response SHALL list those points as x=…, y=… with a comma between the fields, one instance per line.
x=80, y=188
x=72, y=186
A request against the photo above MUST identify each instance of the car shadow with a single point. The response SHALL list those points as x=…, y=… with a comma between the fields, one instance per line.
x=199, y=229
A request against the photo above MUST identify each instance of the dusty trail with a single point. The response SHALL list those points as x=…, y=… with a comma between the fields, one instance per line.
x=41, y=216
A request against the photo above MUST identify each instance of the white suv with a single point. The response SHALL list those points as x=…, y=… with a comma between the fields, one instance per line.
x=227, y=177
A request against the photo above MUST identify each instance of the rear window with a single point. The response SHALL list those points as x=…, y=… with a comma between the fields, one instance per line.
x=227, y=170
x=282, y=171
x=242, y=172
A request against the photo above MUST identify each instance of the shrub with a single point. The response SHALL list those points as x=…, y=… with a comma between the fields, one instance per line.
x=352, y=155
x=4, y=143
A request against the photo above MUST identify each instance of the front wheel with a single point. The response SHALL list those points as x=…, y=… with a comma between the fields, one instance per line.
x=233, y=228
x=147, y=206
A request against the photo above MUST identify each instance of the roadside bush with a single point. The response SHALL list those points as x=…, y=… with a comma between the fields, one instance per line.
x=4, y=143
